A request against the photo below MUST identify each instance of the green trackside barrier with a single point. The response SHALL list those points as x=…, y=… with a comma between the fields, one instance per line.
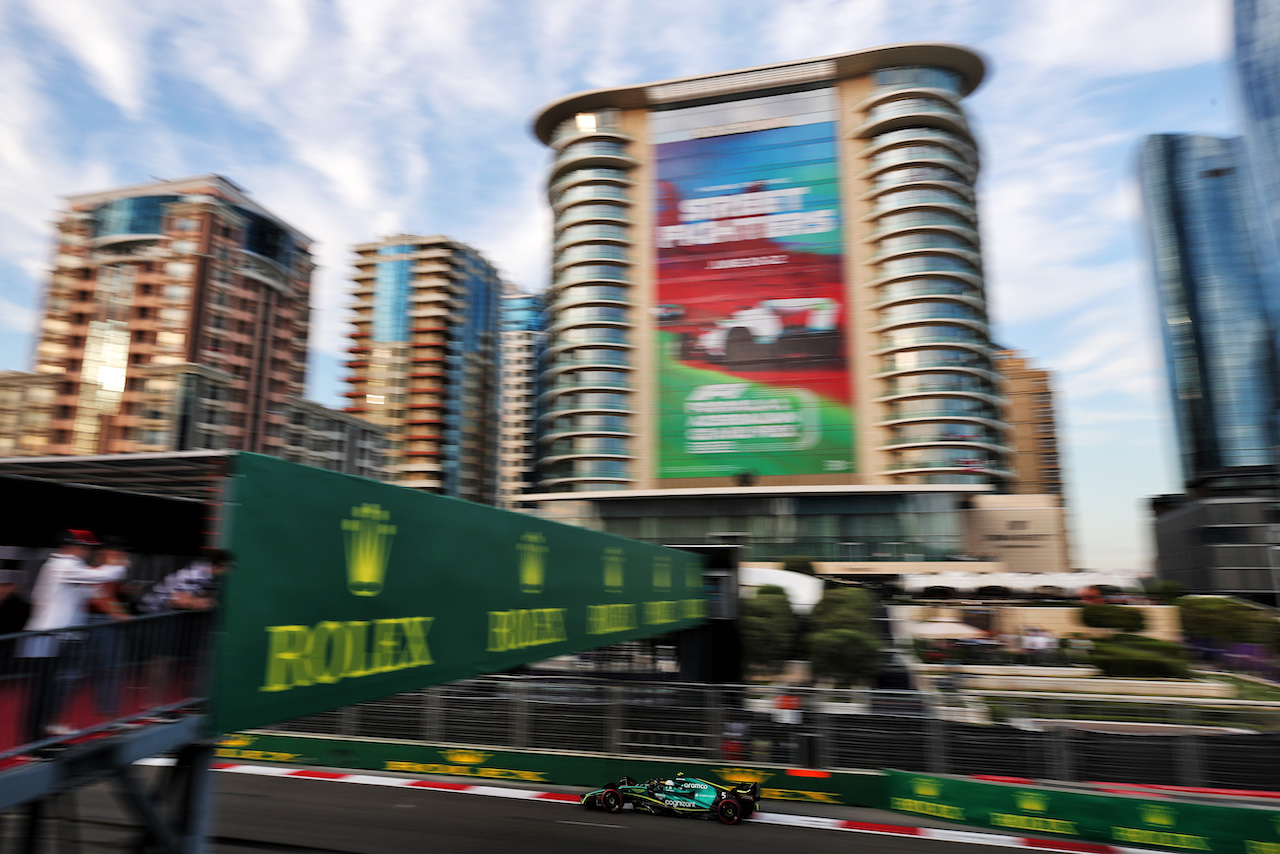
x=853, y=788
x=1119, y=820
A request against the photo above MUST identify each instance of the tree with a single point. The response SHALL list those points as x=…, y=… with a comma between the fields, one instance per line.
x=768, y=628
x=844, y=655
x=1162, y=590
x=843, y=608
x=842, y=642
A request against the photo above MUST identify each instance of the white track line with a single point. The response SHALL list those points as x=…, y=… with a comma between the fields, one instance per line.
x=783, y=819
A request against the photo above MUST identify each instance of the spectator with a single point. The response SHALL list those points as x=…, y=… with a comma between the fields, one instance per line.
x=15, y=610
x=62, y=590
x=192, y=588
x=106, y=647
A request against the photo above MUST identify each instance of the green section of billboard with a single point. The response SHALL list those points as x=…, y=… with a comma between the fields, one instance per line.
x=774, y=430
x=1122, y=821
x=347, y=590
x=853, y=788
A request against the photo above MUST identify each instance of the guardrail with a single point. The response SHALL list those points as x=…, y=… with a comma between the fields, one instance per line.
x=827, y=729
x=60, y=685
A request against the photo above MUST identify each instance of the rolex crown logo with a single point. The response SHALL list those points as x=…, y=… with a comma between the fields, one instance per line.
x=532, y=550
x=1159, y=815
x=236, y=740
x=615, y=561
x=368, y=538
x=662, y=573
x=1032, y=801
x=465, y=757
x=926, y=788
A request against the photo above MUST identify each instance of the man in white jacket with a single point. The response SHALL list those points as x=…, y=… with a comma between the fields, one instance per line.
x=59, y=600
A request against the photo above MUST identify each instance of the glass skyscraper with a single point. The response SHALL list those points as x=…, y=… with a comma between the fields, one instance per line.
x=1211, y=287
x=1257, y=37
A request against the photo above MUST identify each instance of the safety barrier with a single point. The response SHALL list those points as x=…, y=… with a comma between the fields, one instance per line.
x=1120, y=820
x=59, y=685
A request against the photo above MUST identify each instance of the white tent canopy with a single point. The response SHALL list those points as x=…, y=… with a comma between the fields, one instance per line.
x=803, y=591
x=1069, y=582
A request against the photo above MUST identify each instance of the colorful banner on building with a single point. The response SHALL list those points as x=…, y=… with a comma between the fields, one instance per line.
x=346, y=590
x=752, y=324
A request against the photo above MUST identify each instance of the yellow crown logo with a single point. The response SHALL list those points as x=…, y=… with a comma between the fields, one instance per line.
x=465, y=757
x=692, y=575
x=926, y=788
x=236, y=740
x=742, y=775
x=1032, y=801
x=662, y=573
x=532, y=549
x=615, y=561
x=1159, y=815
x=368, y=539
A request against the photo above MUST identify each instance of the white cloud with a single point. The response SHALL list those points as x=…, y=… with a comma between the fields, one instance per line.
x=1100, y=38
x=110, y=39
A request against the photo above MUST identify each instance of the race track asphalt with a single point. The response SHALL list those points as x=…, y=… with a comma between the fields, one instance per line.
x=302, y=816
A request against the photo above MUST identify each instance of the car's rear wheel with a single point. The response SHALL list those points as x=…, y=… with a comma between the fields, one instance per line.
x=730, y=811
x=611, y=800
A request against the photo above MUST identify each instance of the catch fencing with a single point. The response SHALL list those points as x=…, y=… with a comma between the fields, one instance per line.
x=1022, y=736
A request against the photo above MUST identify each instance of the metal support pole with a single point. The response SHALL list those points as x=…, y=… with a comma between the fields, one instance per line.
x=31, y=830
x=1190, y=759
x=715, y=697
x=197, y=797
x=520, y=715
x=156, y=825
x=614, y=707
x=936, y=739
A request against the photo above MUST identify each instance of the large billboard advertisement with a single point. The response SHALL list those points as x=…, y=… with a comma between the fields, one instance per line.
x=347, y=590
x=751, y=316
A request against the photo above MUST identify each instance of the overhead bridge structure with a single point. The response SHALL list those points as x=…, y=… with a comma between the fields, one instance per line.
x=344, y=590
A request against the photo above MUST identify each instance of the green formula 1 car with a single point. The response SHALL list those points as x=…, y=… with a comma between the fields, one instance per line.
x=679, y=795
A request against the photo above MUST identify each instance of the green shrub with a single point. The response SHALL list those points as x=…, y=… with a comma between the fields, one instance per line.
x=1154, y=645
x=1106, y=616
x=1133, y=662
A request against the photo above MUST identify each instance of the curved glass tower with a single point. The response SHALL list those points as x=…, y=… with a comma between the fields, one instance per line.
x=1211, y=291
x=771, y=276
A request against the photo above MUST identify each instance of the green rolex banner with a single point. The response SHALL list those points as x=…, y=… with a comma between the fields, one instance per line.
x=1123, y=821
x=347, y=589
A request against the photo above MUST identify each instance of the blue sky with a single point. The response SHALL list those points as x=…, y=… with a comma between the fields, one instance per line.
x=352, y=118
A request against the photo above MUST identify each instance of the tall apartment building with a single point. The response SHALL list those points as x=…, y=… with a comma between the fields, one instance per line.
x=1029, y=391
x=767, y=321
x=522, y=336
x=425, y=361
x=772, y=273
x=176, y=318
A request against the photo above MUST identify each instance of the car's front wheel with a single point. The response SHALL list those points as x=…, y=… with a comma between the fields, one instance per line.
x=611, y=800
x=730, y=811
